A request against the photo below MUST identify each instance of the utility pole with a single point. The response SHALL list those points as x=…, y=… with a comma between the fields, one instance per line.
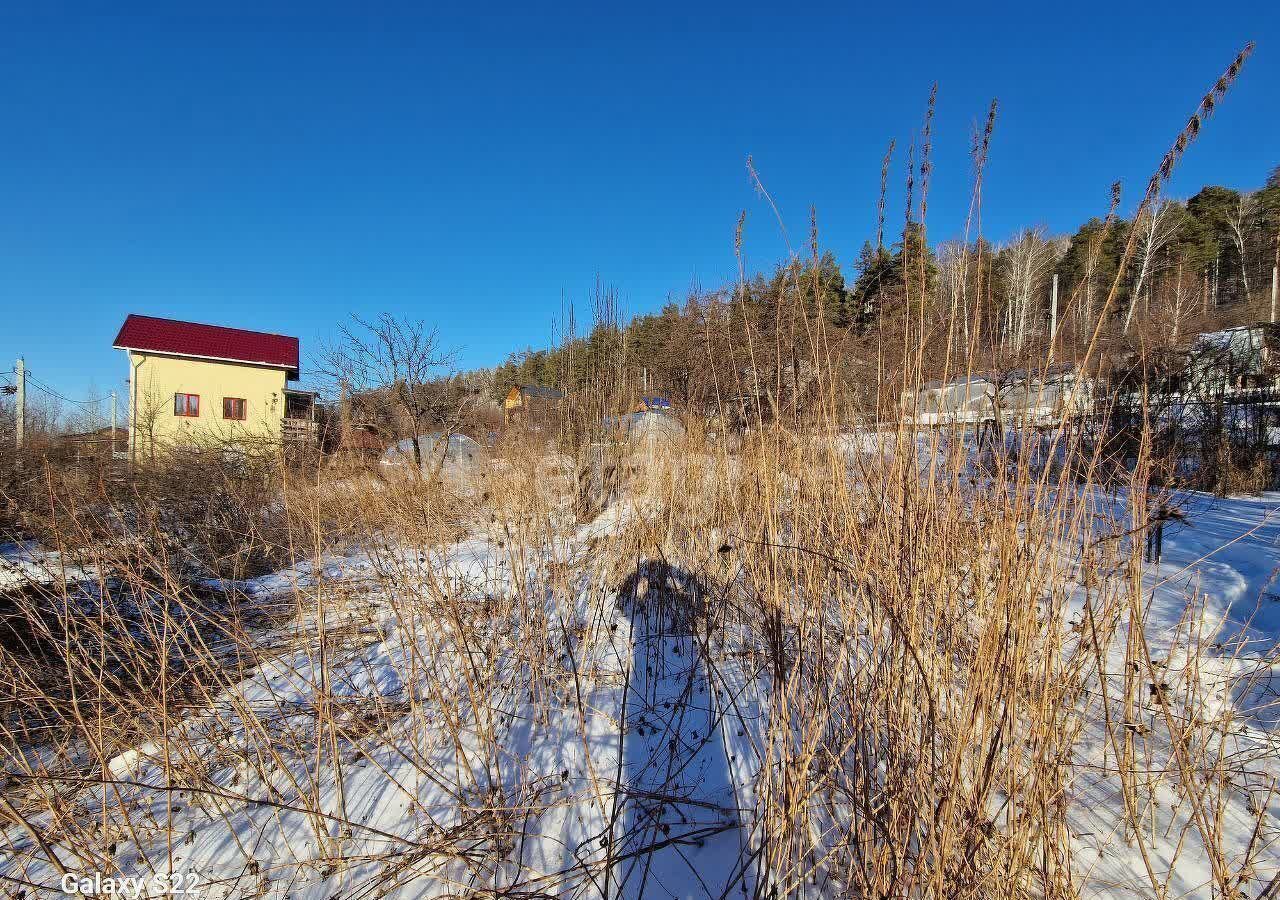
x=1053, y=311
x=1215, y=278
x=20, y=410
x=113, y=424
x=1275, y=289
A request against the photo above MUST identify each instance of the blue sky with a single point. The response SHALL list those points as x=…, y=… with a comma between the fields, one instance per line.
x=480, y=168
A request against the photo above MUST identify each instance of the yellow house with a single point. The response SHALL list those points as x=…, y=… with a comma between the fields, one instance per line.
x=192, y=384
x=528, y=398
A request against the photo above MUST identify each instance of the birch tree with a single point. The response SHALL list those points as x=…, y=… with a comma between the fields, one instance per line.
x=1027, y=264
x=1240, y=217
x=1176, y=311
x=1157, y=227
x=953, y=271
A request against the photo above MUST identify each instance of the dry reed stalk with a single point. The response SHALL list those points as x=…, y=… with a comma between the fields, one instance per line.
x=891, y=616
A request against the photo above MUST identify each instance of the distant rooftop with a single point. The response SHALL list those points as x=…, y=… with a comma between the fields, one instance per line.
x=537, y=390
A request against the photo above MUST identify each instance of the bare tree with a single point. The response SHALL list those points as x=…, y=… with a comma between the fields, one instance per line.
x=149, y=405
x=44, y=421
x=1157, y=227
x=1176, y=311
x=1240, y=216
x=953, y=272
x=401, y=361
x=1027, y=262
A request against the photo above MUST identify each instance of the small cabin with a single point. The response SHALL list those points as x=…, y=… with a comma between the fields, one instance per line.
x=1244, y=358
x=104, y=443
x=654, y=405
x=359, y=445
x=523, y=401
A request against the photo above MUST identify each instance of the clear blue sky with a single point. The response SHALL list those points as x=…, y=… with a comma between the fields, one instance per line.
x=280, y=171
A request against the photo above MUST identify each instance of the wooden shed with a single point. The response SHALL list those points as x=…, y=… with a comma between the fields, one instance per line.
x=523, y=400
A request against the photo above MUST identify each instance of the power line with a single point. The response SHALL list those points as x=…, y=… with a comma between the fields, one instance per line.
x=48, y=390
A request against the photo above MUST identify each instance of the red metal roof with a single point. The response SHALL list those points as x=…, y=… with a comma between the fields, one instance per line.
x=156, y=335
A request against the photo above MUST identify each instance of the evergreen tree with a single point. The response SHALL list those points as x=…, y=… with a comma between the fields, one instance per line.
x=915, y=264
x=1088, y=269
x=822, y=288
x=876, y=272
x=1269, y=202
x=1212, y=210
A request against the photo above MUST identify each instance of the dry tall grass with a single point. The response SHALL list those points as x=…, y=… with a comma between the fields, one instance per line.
x=915, y=634
x=924, y=629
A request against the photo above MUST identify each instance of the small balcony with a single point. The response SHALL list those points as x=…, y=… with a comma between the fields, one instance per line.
x=299, y=426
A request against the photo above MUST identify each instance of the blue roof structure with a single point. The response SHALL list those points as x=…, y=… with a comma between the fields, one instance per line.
x=656, y=404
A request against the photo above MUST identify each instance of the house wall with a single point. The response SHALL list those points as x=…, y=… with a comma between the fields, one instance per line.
x=155, y=378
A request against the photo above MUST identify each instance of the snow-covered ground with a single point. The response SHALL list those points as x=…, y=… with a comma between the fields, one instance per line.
x=631, y=790
x=22, y=564
x=1217, y=577
x=626, y=768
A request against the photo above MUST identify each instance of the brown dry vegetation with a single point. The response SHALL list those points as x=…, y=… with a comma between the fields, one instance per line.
x=928, y=633
x=926, y=677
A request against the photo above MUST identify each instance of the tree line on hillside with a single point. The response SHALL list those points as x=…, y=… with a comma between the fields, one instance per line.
x=1204, y=263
